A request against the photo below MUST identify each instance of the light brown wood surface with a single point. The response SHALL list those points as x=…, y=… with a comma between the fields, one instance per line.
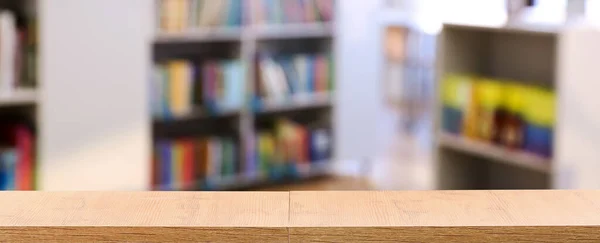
x=445, y=216
x=337, y=216
x=143, y=216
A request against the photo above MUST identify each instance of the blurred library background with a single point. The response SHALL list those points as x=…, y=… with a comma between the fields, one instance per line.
x=198, y=95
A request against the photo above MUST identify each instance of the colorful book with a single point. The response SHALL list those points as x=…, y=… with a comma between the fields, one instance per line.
x=187, y=147
x=165, y=160
x=24, y=167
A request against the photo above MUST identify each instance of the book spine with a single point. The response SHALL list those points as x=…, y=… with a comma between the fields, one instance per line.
x=3, y=172
x=331, y=74
x=165, y=151
x=320, y=74
x=8, y=45
x=176, y=166
x=217, y=157
x=11, y=168
x=188, y=163
x=311, y=74
x=192, y=14
x=24, y=143
x=155, y=178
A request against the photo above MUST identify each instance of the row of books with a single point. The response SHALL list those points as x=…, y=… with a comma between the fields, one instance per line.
x=282, y=77
x=291, y=11
x=179, y=87
x=289, y=143
x=16, y=157
x=17, y=52
x=182, y=15
x=502, y=112
x=189, y=163
x=182, y=163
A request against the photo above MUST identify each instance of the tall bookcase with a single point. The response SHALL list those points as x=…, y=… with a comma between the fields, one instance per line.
x=533, y=64
x=260, y=108
x=18, y=96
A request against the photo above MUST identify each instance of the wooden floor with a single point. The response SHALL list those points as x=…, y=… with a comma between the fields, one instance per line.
x=330, y=183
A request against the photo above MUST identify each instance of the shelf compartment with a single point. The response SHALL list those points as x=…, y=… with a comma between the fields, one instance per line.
x=512, y=157
x=252, y=181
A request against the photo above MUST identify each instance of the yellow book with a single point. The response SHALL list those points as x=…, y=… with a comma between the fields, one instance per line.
x=178, y=72
x=169, y=13
x=177, y=163
x=268, y=146
x=490, y=95
x=540, y=107
x=182, y=15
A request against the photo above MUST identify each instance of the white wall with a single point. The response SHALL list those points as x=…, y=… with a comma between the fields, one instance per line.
x=94, y=124
x=358, y=93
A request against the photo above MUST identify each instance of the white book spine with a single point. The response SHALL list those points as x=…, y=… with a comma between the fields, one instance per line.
x=269, y=78
x=8, y=51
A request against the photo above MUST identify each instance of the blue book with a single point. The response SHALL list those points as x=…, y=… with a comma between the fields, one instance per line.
x=165, y=162
x=165, y=91
x=3, y=172
x=290, y=74
x=228, y=79
x=310, y=71
x=320, y=145
x=235, y=13
x=270, y=10
x=9, y=158
x=239, y=87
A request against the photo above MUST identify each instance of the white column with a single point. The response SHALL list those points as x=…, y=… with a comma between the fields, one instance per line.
x=94, y=119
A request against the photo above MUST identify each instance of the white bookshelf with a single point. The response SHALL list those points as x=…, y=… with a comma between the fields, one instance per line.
x=557, y=57
x=245, y=42
x=19, y=97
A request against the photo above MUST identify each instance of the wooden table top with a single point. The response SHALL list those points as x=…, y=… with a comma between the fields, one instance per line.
x=333, y=216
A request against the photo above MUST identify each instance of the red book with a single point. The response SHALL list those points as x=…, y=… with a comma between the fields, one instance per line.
x=188, y=162
x=24, y=144
x=320, y=76
x=304, y=147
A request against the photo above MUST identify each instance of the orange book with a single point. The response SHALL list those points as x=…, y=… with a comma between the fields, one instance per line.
x=200, y=153
x=176, y=165
x=25, y=167
x=304, y=145
x=187, y=147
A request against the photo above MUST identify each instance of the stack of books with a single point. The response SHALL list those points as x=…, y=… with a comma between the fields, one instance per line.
x=16, y=157
x=182, y=164
x=180, y=87
x=185, y=15
x=283, y=78
x=291, y=11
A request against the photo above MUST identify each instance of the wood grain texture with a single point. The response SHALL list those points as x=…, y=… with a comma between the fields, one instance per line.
x=445, y=216
x=143, y=216
x=339, y=216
